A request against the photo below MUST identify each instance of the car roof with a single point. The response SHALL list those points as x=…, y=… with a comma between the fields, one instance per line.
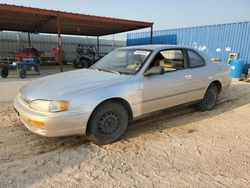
x=157, y=47
x=154, y=47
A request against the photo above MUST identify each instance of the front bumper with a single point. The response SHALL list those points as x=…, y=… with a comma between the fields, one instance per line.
x=56, y=124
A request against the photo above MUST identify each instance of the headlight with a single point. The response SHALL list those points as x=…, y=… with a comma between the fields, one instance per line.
x=40, y=105
x=49, y=106
x=58, y=106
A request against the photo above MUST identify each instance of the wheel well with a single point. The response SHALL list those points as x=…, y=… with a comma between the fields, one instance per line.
x=121, y=101
x=218, y=85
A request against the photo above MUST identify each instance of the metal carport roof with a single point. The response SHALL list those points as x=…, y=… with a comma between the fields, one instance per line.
x=26, y=19
x=35, y=20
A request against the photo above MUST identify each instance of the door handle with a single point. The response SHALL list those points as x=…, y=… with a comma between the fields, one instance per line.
x=188, y=77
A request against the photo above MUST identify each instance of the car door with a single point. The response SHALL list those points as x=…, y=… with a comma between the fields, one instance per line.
x=199, y=75
x=166, y=90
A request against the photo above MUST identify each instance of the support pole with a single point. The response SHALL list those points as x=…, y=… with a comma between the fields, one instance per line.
x=151, y=35
x=98, y=45
x=29, y=39
x=18, y=40
x=113, y=42
x=59, y=45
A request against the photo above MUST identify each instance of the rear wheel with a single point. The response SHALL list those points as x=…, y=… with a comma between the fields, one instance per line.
x=108, y=123
x=4, y=72
x=210, y=99
x=79, y=65
x=22, y=73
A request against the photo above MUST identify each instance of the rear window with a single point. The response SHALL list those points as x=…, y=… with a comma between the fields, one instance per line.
x=195, y=59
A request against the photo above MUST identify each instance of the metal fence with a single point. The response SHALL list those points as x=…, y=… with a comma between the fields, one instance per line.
x=13, y=42
x=217, y=41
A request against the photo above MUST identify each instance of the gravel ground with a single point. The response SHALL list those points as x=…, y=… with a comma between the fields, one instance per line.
x=174, y=148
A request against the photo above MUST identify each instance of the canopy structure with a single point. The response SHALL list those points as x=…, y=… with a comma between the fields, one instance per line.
x=34, y=20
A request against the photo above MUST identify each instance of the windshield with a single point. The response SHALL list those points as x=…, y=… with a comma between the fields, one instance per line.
x=124, y=61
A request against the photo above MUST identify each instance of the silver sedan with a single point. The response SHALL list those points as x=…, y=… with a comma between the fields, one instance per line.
x=126, y=84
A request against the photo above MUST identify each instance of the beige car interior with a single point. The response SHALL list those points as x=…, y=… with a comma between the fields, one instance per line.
x=135, y=62
x=170, y=60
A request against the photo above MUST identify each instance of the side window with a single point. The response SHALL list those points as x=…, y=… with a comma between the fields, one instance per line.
x=195, y=60
x=170, y=60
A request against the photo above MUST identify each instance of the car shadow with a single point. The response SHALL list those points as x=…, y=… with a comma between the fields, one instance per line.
x=26, y=148
x=238, y=95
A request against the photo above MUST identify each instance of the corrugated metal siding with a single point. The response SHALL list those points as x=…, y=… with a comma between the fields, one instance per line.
x=9, y=43
x=209, y=39
x=163, y=39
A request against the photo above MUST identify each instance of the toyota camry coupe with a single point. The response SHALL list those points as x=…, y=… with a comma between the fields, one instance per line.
x=127, y=83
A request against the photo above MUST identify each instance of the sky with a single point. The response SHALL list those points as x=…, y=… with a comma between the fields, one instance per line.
x=166, y=14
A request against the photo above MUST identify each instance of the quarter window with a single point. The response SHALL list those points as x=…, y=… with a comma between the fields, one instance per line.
x=195, y=60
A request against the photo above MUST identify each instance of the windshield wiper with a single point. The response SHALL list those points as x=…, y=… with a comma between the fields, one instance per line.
x=94, y=68
x=108, y=70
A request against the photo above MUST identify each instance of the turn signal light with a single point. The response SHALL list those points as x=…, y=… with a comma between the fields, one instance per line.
x=36, y=123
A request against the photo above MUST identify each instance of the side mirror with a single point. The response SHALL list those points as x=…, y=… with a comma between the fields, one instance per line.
x=154, y=71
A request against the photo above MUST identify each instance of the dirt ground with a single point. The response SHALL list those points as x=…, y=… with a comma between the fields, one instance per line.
x=172, y=148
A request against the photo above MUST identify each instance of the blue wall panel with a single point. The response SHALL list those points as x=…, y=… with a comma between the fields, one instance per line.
x=164, y=39
x=217, y=41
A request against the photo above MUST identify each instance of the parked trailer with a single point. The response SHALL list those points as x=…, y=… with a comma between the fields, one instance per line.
x=22, y=67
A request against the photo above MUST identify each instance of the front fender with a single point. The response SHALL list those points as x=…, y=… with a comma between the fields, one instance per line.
x=88, y=101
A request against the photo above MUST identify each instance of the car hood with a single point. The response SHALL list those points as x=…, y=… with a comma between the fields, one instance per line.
x=63, y=85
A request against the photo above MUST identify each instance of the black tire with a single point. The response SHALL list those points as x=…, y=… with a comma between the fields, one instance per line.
x=210, y=99
x=37, y=69
x=22, y=73
x=4, y=72
x=108, y=123
x=85, y=63
x=79, y=65
x=75, y=64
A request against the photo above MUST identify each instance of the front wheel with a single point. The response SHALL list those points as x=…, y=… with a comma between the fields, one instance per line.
x=210, y=98
x=107, y=123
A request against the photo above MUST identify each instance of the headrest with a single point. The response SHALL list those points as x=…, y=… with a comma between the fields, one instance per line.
x=166, y=63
